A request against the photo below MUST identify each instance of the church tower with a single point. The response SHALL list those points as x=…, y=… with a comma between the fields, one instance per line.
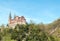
x=14, y=16
x=10, y=16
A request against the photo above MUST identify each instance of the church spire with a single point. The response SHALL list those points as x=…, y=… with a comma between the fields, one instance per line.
x=14, y=16
x=10, y=16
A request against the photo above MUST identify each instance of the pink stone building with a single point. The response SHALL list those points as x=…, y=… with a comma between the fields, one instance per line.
x=16, y=20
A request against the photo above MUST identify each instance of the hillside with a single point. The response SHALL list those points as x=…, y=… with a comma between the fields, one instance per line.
x=31, y=32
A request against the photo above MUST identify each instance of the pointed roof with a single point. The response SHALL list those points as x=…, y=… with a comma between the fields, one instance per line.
x=10, y=16
x=14, y=16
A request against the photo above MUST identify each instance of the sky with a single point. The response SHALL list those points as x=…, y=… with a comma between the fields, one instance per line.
x=45, y=11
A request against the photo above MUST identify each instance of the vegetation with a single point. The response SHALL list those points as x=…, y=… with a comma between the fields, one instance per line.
x=31, y=32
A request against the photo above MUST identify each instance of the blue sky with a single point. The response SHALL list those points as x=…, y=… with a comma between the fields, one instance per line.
x=44, y=11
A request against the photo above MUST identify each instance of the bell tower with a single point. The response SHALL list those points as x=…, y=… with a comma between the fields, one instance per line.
x=14, y=16
x=10, y=18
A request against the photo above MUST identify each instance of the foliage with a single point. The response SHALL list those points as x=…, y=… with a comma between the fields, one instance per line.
x=31, y=32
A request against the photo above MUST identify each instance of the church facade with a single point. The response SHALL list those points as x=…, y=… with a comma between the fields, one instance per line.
x=16, y=20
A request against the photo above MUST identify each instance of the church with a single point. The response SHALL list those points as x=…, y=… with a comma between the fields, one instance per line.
x=16, y=20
